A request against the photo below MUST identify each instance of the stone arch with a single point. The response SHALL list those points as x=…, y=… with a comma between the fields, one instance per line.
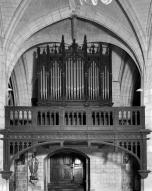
x=16, y=156
x=18, y=15
x=130, y=13
x=75, y=150
x=15, y=46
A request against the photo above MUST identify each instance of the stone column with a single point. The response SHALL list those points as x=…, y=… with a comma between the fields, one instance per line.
x=147, y=94
x=4, y=182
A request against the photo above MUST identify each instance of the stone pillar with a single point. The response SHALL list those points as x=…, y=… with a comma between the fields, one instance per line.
x=147, y=94
x=116, y=65
x=4, y=183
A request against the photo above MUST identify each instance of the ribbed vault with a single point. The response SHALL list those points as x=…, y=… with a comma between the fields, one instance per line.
x=34, y=18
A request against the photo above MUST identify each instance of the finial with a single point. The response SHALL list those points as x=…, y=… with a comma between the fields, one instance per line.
x=62, y=41
x=85, y=39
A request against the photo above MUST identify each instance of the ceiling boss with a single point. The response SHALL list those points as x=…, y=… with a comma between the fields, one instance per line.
x=95, y=2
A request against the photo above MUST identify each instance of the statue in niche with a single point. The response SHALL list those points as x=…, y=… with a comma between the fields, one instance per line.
x=127, y=173
x=33, y=166
x=126, y=159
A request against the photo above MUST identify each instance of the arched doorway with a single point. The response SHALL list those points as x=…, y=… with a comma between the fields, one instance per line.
x=67, y=169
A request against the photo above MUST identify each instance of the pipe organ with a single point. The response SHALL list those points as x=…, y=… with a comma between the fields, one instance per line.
x=64, y=73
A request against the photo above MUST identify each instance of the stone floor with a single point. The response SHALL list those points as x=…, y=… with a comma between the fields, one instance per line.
x=66, y=187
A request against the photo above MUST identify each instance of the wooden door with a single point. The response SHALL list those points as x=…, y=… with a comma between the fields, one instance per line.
x=60, y=169
x=66, y=171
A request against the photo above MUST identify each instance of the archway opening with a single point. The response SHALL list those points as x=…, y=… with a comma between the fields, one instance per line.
x=67, y=170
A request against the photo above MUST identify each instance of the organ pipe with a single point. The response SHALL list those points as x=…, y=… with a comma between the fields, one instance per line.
x=105, y=80
x=69, y=72
x=95, y=74
x=41, y=83
x=74, y=81
x=74, y=75
x=108, y=84
x=46, y=86
x=56, y=77
x=51, y=82
x=72, y=84
x=103, y=87
x=58, y=82
x=93, y=81
x=81, y=66
x=78, y=89
x=80, y=86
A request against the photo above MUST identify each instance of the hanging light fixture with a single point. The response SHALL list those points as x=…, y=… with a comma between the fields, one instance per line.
x=95, y=2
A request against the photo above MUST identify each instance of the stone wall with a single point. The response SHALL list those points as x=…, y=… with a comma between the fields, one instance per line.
x=108, y=172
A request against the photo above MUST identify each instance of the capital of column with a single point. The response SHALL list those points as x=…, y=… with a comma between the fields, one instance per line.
x=6, y=174
x=144, y=173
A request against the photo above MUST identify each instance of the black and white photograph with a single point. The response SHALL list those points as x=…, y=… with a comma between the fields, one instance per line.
x=75, y=95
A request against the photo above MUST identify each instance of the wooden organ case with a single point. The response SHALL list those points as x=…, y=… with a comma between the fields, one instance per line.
x=72, y=73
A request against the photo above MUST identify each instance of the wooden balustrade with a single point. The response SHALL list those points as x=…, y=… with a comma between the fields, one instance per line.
x=65, y=116
x=130, y=116
x=20, y=116
x=102, y=117
x=16, y=146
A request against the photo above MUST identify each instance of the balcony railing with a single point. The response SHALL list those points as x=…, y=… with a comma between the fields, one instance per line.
x=99, y=117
